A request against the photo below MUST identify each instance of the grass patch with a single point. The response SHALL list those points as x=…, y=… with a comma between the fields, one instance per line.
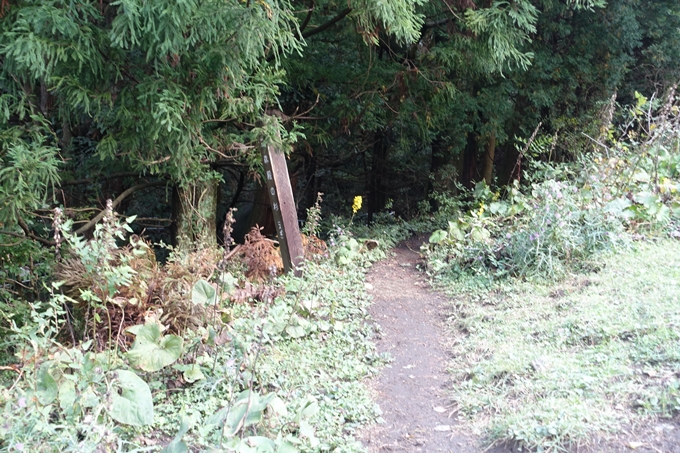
x=551, y=365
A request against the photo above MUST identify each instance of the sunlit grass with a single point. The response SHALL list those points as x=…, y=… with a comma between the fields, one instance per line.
x=553, y=365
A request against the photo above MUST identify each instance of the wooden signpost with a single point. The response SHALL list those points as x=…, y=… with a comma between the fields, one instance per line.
x=283, y=206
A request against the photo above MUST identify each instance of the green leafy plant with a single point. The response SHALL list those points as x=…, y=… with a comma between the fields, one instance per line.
x=554, y=228
x=68, y=397
x=152, y=350
x=98, y=270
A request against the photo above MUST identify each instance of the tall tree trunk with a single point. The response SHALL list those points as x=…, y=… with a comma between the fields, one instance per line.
x=376, y=177
x=261, y=214
x=469, y=172
x=194, y=213
x=489, y=158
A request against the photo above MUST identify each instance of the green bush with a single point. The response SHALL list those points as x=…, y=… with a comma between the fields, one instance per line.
x=544, y=233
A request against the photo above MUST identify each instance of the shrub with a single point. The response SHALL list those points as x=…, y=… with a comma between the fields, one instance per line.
x=545, y=233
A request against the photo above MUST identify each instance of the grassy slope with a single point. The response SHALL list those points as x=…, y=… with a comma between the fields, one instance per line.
x=550, y=365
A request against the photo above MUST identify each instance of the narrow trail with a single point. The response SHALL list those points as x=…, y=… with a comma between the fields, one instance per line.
x=411, y=390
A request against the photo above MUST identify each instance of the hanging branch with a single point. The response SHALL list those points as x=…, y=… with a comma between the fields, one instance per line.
x=341, y=15
x=309, y=16
x=117, y=202
x=28, y=234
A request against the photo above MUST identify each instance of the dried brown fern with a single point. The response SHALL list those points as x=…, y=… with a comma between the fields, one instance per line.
x=314, y=247
x=255, y=293
x=160, y=291
x=261, y=256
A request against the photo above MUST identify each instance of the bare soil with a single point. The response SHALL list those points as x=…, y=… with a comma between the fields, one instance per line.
x=411, y=390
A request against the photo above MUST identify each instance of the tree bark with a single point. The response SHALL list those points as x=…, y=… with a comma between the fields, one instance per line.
x=469, y=171
x=376, y=177
x=194, y=215
x=489, y=158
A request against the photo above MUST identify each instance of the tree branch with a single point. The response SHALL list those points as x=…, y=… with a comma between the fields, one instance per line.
x=28, y=234
x=31, y=234
x=88, y=180
x=117, y=202
x=341, y=15
x=309, y=16
x=436, y=23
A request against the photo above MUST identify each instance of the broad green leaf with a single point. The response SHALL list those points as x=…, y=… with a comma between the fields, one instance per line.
x=647, y=199
x=89, y=398
x=306, y=429
x=641, y=176
x=234, y=422
x=131, y=401
x=457, y=230
x=342, y=259
x=217, y=418
x=67, y=396
x=309, y=409
x=663, y=214
x=498, y=208
x=286, y=447
x=178, y=445
x=618, y=206
x=152, y=351
x=298, y=328
x=261, y=443
x=193, y=374
x=295, y=331
x=228, y=281
x=46, y=385
x=438, y=236
x=203, y=293
x=480, y=234
x=278, y=406
x=247, y=410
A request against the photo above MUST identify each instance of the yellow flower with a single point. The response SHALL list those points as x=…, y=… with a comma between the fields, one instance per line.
x=357, y=204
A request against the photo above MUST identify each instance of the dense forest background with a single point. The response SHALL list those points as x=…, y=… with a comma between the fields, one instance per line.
x=162, y=106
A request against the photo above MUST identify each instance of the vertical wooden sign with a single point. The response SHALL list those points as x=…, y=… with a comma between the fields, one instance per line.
x=283, y=206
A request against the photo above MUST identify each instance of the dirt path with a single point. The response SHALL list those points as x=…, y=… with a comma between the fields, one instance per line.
x=411, y=389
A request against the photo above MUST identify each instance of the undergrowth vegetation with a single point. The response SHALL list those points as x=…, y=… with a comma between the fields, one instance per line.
x=215, y=350
x=555, y=343
x=127, y=354
x=567, y=212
